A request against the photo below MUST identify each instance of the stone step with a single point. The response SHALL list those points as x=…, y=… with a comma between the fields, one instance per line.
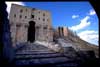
x=65, y=64
x=35, y=52
x=45, y=55
x=33, y=47
x=43, y=61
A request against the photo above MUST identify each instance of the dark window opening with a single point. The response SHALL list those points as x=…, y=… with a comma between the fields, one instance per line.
x=18, y=25
x=43, y=14
x=59, y=30
x=37, y=27
x=14, y=15
x=21, y=10
x=39, y=18
x=45, y=27
x=25, y=17
x=31, y=31
x=43, y=19
x=20, y=16
x=62, y=31
x=32, y=16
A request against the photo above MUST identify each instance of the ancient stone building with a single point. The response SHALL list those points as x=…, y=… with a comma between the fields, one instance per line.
x=29, y=24
x=62, y=32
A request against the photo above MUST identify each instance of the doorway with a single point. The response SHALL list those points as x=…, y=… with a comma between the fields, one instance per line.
x=31, y=31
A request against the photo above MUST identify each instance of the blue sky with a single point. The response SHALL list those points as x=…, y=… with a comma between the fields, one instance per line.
x=78, y=16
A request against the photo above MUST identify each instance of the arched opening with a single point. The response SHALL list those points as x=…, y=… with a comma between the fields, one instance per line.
x=31, y=31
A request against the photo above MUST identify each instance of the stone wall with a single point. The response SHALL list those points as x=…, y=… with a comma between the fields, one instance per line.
x=63, y=32
x=20, y=16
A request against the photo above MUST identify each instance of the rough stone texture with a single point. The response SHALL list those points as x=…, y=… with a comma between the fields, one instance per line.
x=20, y=16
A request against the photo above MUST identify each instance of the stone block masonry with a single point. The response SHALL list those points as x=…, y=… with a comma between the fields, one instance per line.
x=29, y=24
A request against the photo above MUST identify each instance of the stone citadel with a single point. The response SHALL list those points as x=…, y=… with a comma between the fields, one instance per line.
x=32, y=26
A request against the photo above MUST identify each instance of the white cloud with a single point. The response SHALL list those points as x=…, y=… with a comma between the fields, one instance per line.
x=9, y=5
x=89, y=36
x=92, y=12
x=83, y=23
x=75, y=16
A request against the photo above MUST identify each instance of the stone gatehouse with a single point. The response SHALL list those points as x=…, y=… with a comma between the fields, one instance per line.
x=29, y=24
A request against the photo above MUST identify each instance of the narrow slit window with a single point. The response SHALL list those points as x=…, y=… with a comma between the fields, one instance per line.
x=21, y=10
x=20, y=16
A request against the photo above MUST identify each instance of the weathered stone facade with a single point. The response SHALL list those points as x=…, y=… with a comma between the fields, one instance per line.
x=29, y=24
x=63, y=32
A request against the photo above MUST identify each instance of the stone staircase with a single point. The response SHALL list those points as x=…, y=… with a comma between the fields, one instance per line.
x=38, y=55
x=30, y=47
